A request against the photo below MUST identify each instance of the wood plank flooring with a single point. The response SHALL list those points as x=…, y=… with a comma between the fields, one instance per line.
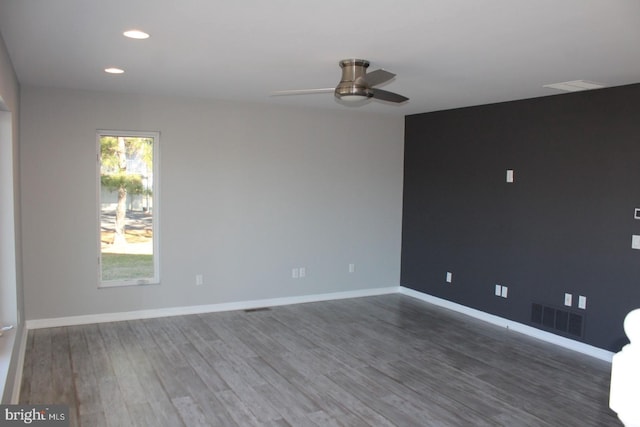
x=378, y=361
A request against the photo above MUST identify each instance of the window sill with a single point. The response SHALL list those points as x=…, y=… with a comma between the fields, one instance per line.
x=107, y=285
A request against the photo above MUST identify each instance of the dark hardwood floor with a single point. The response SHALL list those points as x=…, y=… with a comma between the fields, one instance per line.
x=378, y=361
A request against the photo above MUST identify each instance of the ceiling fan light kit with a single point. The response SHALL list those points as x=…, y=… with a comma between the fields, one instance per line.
x=353, y=86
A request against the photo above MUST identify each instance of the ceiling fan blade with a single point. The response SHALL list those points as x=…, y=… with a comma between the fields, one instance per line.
x=302, y=91
x=378, y=76
x=384, y=95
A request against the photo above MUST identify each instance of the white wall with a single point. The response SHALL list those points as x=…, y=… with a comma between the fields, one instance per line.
x=248, y=192
x=11, y=301
x=8, y=271
x=9, y=190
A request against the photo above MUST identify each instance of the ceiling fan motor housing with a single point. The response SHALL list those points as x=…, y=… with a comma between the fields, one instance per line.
x=353, y=82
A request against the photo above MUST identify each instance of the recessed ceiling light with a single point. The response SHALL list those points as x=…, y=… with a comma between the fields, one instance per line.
x=114, y=70
x=136, y=34
x=575, y=85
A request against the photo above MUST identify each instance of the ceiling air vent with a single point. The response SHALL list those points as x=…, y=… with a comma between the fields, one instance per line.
x=575, y=85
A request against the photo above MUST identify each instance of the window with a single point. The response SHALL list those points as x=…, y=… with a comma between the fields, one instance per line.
x=128, y=207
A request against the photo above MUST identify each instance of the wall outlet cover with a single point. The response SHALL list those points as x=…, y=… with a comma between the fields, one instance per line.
x=568, y=300
x=449, y=277
x=505, y=291
x=582, y=302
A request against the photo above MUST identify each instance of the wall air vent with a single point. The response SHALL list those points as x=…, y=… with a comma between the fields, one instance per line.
x=558, y=319
x=254, y=310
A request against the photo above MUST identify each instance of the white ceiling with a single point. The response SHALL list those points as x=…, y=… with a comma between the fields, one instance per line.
x=446, y=53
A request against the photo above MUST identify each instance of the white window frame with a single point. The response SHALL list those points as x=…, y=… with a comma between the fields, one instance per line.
x=155, y=280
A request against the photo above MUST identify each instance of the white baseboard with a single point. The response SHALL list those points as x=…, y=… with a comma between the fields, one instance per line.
x=199, y=309
x=515, y=326
x=272, y=302
x=17, y=381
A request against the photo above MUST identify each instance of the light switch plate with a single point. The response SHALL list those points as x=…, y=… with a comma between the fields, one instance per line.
x=635, y=242
x=449, y=277
x=509, y=175
x=498, y=290
x=505, y=290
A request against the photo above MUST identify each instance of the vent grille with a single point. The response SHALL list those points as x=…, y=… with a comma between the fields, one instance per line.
x=253, y=310
x=575, y=85
x=557, y=319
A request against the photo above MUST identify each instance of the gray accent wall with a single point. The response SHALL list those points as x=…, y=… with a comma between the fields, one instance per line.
x=248, y=192
x=564, y=225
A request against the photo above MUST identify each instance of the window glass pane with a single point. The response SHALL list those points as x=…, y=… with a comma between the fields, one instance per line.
x=127, y=224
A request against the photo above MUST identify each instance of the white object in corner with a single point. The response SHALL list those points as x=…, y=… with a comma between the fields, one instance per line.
x=625, y=374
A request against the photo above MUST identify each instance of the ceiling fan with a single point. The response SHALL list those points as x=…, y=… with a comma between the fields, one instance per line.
x=356, y=84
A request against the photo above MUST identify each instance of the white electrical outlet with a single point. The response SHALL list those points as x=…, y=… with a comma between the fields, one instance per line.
x=303, y=272
x=568, y=299
x=295, y=273
x=352, y=268
x=498, y=290
x=199, y=280
x=449, y=277
x=505, y=290
x=635, y=241
x=582, y=302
